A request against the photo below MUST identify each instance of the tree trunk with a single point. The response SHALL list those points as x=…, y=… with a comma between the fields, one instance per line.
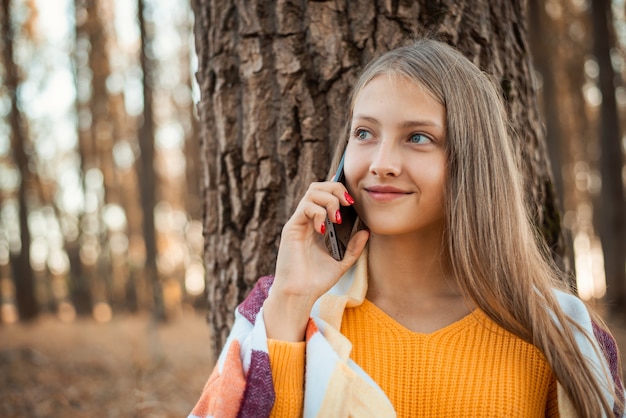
x=274, y=79
x=90, y=279
x=79, y=276
x=566, y=35
x=543, y=47
x=23, y=277
x=612, y=208
x=147, y=175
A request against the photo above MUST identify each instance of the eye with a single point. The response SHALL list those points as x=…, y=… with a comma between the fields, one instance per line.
x=362, y=134
x=419, y=139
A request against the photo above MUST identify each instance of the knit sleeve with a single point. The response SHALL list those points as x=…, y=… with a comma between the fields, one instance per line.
x=287, y=363
x=552, y=403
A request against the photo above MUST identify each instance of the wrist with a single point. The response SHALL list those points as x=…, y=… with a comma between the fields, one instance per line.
x=286, y=317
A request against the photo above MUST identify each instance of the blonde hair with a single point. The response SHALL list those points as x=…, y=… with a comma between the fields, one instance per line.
x=494, y=252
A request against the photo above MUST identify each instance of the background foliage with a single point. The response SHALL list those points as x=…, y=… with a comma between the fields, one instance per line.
x=99, y=166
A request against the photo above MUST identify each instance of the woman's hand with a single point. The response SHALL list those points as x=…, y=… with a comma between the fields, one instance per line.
x=304, y=268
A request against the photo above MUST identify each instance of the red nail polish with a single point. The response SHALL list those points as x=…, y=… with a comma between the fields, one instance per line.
x=348, y=198
x=338, y=217
x=323, y=229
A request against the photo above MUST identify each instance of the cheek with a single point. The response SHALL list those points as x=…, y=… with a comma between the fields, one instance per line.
x=437, y=177
x=354, y=167
x=350, y=180
x=431, y=176
x=439, y=184
x=433, y=166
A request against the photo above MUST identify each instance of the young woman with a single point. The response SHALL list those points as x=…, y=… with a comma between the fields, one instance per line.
x=444, y=304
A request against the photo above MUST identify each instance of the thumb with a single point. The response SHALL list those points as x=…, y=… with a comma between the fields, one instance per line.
x=355, y=247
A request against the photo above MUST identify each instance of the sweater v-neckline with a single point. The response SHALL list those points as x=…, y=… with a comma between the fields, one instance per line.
x=384, y=319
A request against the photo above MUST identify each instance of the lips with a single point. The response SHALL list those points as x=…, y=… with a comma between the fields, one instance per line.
x=386, y=193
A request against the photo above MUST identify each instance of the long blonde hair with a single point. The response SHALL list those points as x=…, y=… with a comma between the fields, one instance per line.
x=493, y=249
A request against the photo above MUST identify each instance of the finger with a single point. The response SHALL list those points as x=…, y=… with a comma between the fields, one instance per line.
x=339, y=190
x=328, y=200
x=347, y=199
x=355, y=247
x=315, y=215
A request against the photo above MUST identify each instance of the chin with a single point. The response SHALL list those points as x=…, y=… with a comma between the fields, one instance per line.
x=391, y=227
x=385, y=228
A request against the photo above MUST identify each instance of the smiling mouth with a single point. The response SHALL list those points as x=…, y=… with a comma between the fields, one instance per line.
x=385, y=194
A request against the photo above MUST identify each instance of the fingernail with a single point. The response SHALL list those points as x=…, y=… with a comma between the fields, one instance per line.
x=338, y=217
x=348, y=198
x=323, y=229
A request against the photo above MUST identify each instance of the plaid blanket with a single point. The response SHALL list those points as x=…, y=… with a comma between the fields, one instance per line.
x=241, y=382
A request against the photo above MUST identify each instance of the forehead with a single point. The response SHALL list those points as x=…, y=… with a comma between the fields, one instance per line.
x=394, y=77
x=399, y=95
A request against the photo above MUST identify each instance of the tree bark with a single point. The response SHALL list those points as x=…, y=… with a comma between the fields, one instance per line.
x=612, y=208
x=274, y=79
x=23, y=277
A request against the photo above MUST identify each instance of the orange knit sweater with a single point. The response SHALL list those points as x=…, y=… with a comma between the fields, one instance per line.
x=471, y=368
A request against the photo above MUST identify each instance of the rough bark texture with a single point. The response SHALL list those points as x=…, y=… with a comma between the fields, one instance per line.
x=274, y=78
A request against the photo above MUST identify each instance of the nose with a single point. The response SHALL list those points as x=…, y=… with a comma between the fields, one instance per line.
x=386, y=162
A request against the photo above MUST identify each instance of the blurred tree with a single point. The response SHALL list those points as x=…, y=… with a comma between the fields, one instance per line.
x=146, y=173
x=192, y=144
x=562, y=30
x=102, y=136
x=544, y=47
x=79, y=276
x=23, y=277
x=109, y=125
x=274, y=80
x=612, y=210
x=3, y=266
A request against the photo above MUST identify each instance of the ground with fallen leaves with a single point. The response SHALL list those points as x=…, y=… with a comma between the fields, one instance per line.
x=124, y=368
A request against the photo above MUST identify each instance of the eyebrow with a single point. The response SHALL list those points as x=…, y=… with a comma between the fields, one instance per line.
x=405, y=124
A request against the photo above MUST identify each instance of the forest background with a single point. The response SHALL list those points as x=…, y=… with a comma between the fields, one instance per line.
x=102, y=254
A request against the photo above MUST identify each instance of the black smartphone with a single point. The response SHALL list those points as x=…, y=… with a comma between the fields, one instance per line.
x=338, y=235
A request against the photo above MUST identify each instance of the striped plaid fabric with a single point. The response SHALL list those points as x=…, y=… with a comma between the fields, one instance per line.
x=241, y=382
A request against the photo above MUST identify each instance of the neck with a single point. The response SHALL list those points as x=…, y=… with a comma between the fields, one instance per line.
x=403, y=268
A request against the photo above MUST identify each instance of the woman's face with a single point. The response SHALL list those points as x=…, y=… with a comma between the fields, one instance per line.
x=395, y=164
